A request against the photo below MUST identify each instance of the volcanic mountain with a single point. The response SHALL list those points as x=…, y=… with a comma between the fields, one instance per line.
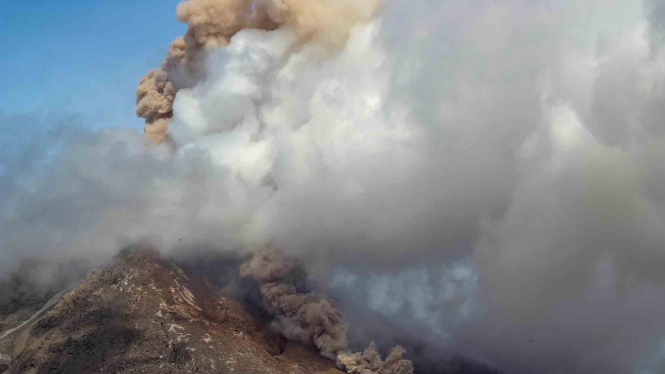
x=144, y=314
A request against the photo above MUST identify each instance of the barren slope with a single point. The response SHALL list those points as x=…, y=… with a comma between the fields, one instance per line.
x=141, y=314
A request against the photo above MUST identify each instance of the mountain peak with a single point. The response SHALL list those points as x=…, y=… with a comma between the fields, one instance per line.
x=144, y=314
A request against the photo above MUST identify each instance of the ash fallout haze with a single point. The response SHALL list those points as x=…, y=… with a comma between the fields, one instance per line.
x=477, y=179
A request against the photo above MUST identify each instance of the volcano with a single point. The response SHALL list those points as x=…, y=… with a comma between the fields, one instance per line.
x=144, y=314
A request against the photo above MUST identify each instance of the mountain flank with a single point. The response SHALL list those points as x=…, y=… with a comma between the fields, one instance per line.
x=144, y=314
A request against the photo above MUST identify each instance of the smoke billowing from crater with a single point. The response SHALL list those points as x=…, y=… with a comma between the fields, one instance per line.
x=486, y=177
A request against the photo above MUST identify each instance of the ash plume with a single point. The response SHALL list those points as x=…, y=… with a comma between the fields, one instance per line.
x=212, y=23
x=303, y=316
x=370, y=362
x=308, y=318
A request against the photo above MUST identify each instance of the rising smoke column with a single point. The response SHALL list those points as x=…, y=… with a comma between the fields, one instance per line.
x=212, y=23
x=307, y=317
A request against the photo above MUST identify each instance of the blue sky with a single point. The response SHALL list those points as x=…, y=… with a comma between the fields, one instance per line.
x=81, y=58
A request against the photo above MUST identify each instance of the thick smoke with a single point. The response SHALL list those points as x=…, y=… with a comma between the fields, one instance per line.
x=307, y=317
x=487, y=177
x=369, y=362
x=212, y=23
x=34, y=281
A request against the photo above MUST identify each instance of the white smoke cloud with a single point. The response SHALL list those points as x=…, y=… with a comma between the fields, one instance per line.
x=523, y=137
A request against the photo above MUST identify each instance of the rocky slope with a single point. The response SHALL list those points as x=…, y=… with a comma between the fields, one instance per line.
x=142, y=314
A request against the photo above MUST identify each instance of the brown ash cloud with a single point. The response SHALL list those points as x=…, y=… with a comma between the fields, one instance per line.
x=309, y=318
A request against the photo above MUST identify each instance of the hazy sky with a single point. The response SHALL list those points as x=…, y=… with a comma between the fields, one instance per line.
x=79, y=57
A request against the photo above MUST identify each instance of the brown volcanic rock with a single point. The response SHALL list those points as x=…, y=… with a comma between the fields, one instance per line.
x=141, y=314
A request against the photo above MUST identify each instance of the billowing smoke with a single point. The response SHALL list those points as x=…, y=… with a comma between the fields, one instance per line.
x=475, y=178
x=370, y=362
x=303, y=316
x=308, y=318
x=212, y=23
x=34, y=281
